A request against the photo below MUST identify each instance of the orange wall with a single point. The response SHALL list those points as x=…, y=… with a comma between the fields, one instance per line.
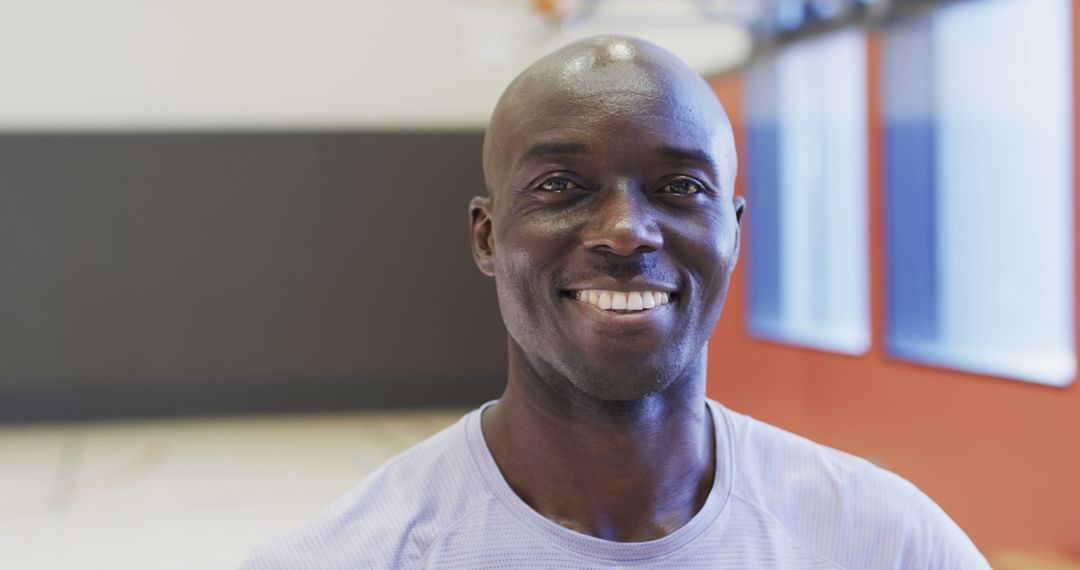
x=1002, y=457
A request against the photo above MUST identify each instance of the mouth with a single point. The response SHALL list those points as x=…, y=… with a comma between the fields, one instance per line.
x=622, y=302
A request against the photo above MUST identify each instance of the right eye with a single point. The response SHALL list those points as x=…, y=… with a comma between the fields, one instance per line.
x=557, y=185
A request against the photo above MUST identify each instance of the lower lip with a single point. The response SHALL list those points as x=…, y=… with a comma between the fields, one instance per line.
x=636, y=318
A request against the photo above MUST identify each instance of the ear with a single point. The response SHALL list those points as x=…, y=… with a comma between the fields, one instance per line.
x=740, y=206
x=483, y=245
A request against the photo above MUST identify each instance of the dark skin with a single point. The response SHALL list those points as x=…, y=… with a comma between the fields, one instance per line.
x=610, y=166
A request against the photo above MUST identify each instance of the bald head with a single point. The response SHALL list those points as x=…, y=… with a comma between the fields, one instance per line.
x=603, y=77
x=609, y=167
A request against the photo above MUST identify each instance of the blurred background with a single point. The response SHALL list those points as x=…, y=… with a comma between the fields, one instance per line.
x=236, y=277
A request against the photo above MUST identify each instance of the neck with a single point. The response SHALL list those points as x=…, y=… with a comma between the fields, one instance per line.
x=624, y=471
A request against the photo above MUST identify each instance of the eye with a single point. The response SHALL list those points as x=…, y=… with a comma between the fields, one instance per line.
x=557, y=185
x=683, y=187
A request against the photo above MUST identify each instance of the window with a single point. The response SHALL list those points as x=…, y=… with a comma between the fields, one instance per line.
x=806, y=118
x=979, y=183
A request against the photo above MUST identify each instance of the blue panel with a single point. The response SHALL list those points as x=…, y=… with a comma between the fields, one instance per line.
x=806, y=155
x=978, y=173
x=910, y=225
x=763, y=227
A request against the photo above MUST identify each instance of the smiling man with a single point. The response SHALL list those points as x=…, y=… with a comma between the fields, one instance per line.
x=611, y=231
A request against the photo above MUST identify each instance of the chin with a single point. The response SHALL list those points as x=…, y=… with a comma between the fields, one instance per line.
x=630, y=379
x=616, y=387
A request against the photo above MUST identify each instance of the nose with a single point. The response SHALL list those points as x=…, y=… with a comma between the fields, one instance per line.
x=623, y=223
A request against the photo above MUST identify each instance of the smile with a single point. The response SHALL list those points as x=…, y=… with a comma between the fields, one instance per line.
x=629, y=301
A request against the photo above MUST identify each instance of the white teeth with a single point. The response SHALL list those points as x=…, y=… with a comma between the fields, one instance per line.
x=622, y=300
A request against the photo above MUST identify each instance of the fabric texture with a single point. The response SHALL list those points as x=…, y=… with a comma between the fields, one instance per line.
x=778, y=501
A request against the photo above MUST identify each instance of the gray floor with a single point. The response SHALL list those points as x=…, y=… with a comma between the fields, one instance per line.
x=182, y=493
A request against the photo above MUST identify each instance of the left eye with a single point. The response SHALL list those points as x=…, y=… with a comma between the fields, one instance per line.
x=557, y=185
x=683, y=187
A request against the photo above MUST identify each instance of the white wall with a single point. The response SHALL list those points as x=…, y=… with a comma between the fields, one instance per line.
x=221, y=64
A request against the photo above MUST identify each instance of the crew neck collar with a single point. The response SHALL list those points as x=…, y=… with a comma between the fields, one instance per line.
x=592, y=546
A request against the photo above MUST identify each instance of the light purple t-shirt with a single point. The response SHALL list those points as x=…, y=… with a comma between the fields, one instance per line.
x=778, y=501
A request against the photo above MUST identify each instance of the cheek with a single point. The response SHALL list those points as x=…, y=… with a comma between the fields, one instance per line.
x=527, y=301
x=514, y=282
x=725, y=232
x=711, y=250
x=715, y=239
x=532, y=247
x=725, y=251
x=520, y=267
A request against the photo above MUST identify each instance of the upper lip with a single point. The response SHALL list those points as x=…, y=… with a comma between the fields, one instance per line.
x=622, y=286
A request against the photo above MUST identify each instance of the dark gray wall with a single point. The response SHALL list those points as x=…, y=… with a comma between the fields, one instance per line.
x=162, y=274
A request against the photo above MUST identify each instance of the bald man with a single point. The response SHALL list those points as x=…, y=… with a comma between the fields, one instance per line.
x=611, y=230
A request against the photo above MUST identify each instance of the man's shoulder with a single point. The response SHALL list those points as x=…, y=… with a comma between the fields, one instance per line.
x=769, y=458
x=839, y=505
x=390, y=517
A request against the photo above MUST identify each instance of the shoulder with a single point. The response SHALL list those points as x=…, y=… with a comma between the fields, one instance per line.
x=390, y=518
x=840, y=506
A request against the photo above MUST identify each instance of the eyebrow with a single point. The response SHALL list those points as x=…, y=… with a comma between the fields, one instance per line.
x=686, y=154
x=543, y=150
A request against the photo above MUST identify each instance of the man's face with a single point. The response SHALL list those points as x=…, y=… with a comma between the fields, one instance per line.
x=609, y=189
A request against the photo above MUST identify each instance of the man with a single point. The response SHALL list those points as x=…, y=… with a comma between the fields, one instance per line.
x=611, y=230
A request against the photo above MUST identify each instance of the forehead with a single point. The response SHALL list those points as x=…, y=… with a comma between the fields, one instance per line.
x=619, y=121
x=581, y=100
